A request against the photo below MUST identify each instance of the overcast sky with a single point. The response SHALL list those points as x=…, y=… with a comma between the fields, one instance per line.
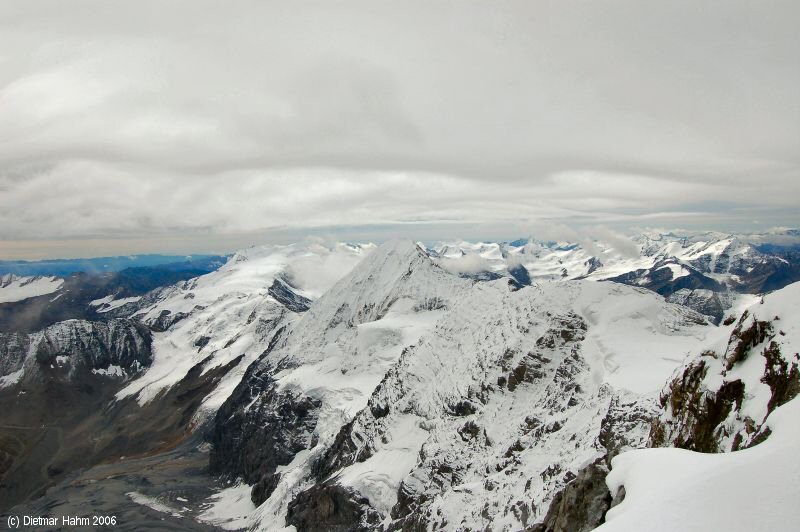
x=196, y=126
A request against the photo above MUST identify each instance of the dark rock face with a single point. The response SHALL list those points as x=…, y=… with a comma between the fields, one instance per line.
x=698, y=416
x=166, y=320
x=252, y=442
x=582, y=505
x=705, y=302
x=746, y=335
x=782, y=378
x=119, y=342
x=593, y=264
x=659, y=279
x=283, y=292
x=520, y=274
x=700, y=412
x=329, y=507
x=83, y=345
x=626, y=424
x=65, y=422
x=13, y=349
x=343, y=452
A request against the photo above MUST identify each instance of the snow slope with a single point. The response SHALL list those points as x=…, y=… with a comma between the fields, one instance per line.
x=752, y=488
x=216, y=318
x=742, y=491
x=14, y=288
x=470, y=402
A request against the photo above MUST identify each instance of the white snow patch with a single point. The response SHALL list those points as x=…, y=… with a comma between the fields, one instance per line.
x=110, y=371
x=677, y=270
x=379, y=477
x=634, y=341
x=229, y=509
x=102, y=301
x=11, y=378
x=152, y=503
x=740, y=491
x=108, y=303
x=225, y=306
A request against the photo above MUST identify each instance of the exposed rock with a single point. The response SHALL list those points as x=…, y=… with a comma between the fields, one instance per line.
x=253, y=442
x=582, y=505
x=749, y=332
x=782, y=378
x=329, y=507
x=286, y=295
x=79, y=346
x=704, y=402
x=695, y=412
x=520, y=275
x=706, y=302
x=167, y=319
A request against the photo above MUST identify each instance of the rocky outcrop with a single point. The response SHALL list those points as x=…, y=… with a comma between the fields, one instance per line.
x=329, y=507
x=662, y=280
x=14, y=348
x=714, y=405
x=582, y=505
x=706, y=302
x=167, y=319
x=253, y=442
x=80, y=346
x=696, y=412
x=286, y=295
x=263, y=426
x=411, y=397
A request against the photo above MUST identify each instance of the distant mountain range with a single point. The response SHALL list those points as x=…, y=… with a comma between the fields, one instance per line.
x=30, y=303
x=64, y=267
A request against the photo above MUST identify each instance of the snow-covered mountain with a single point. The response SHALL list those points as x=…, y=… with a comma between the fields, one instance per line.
x=703, y=271
x=458, y=386
x=419, y=397
x=15, y=288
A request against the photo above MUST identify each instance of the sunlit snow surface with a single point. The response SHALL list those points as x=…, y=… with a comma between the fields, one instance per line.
x=152, y=503
x=634, y=341
x=108, y=303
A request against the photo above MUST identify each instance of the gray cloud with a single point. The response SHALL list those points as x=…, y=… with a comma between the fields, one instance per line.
x=184, y=122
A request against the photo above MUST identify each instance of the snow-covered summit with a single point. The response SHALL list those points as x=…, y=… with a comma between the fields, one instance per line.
x=403, y=366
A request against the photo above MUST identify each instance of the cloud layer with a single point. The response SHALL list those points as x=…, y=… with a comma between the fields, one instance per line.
x=154, y=120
